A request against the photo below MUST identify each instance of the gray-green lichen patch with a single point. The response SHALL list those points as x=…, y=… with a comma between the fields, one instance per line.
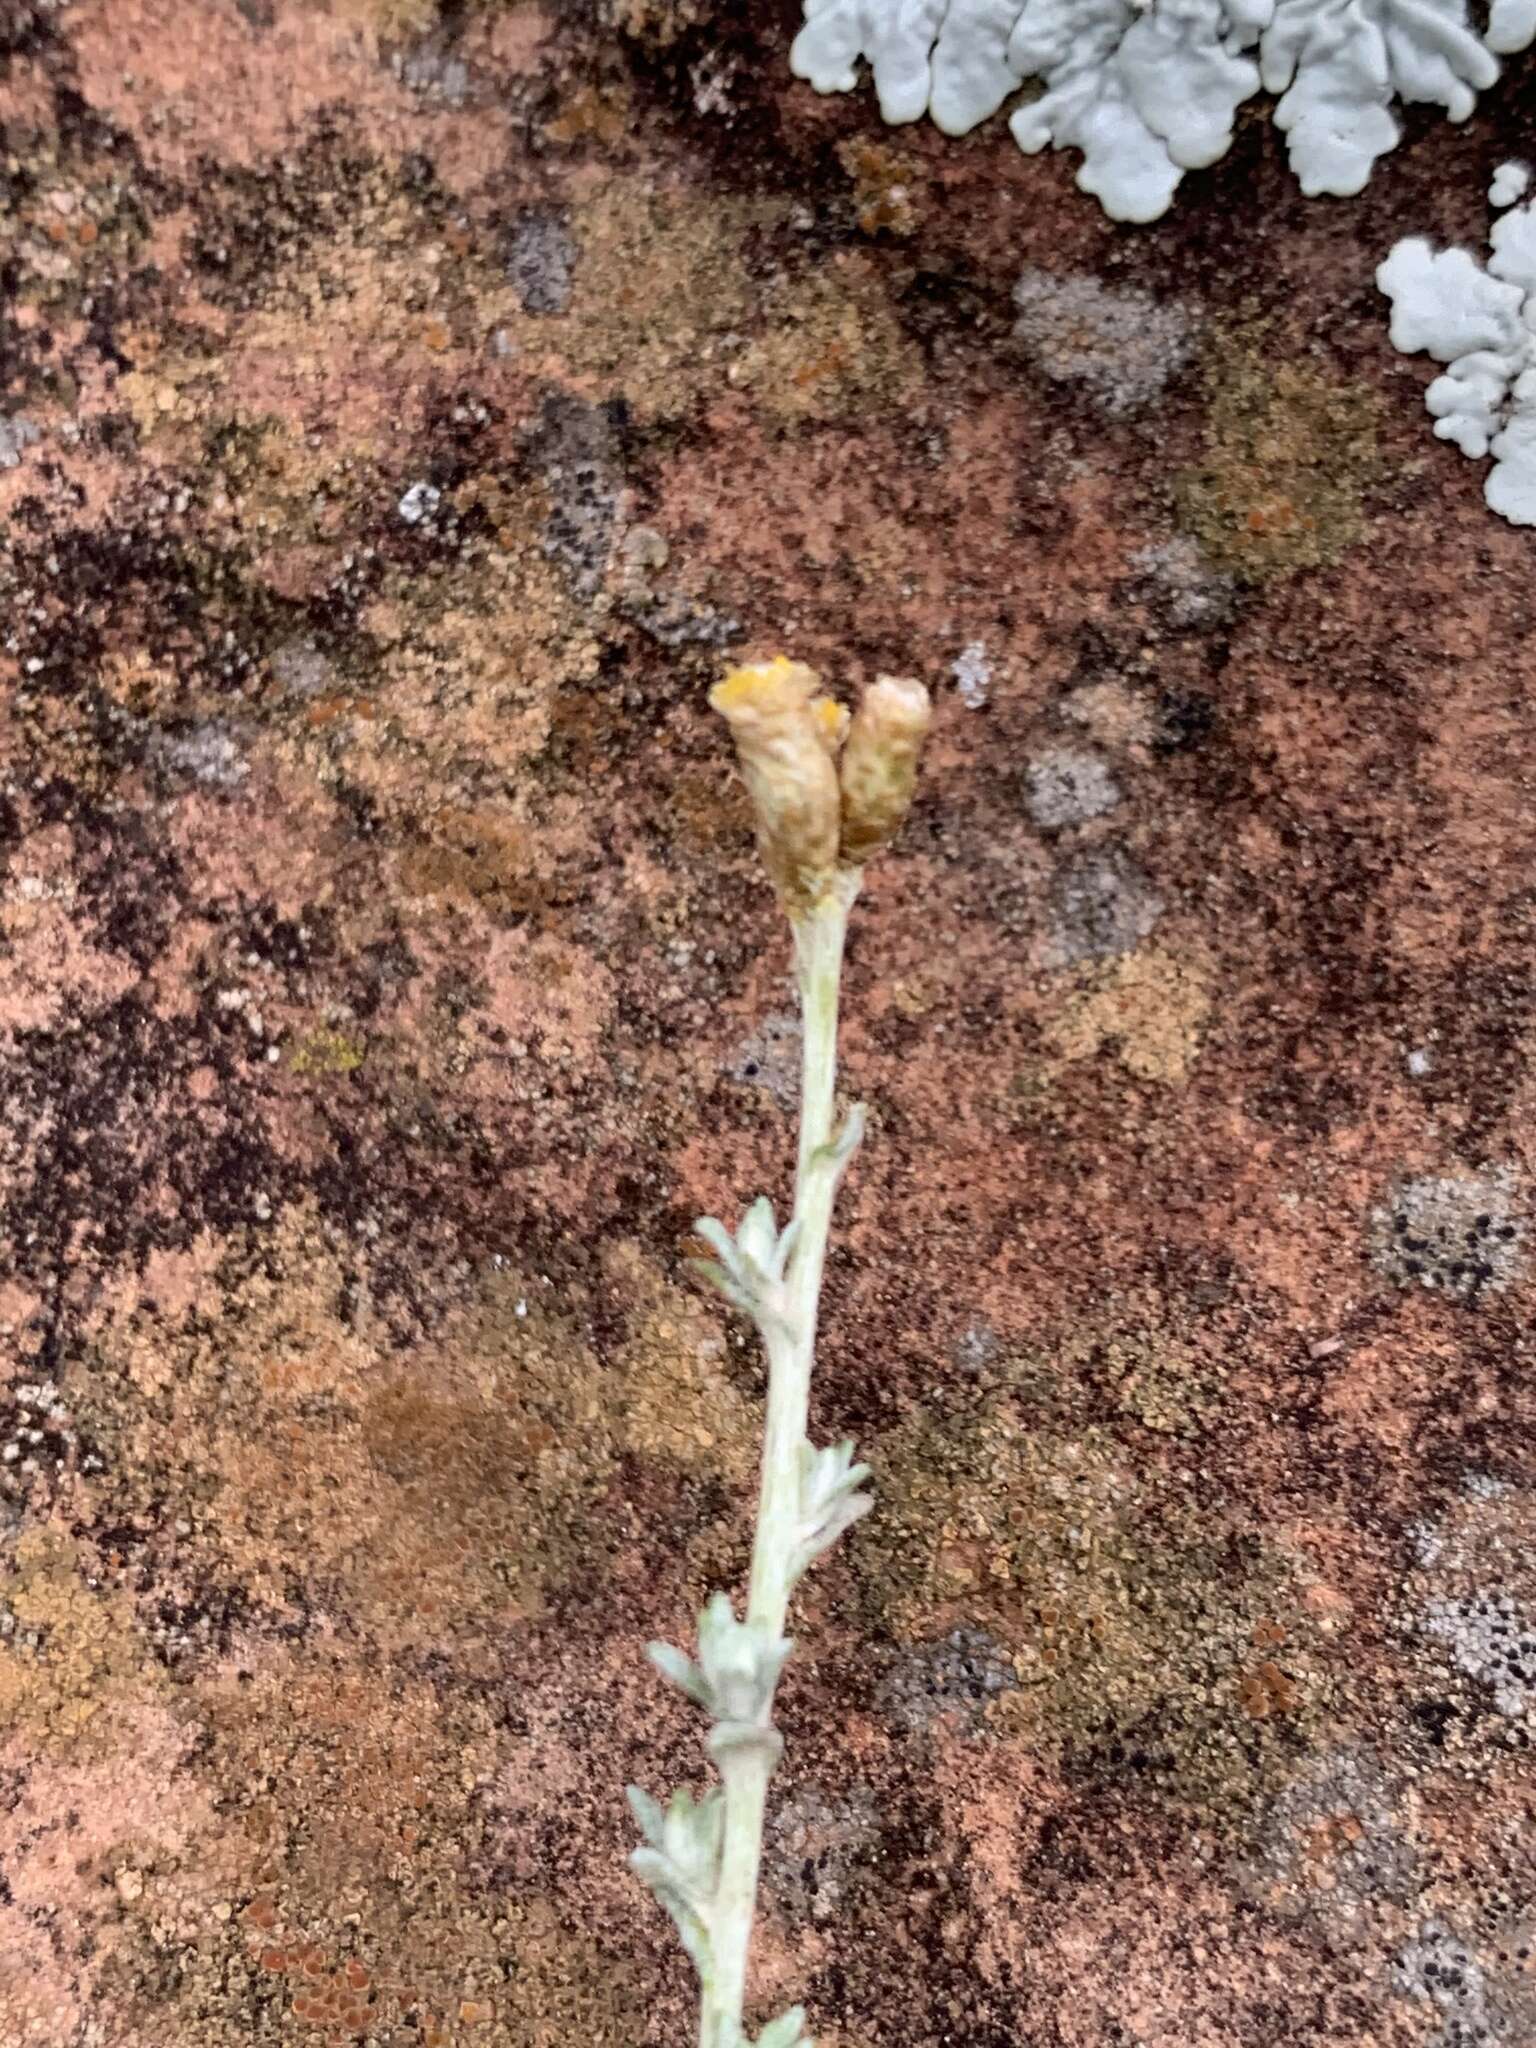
x=1288, y=453
x=1335, y=1845
x=1189, y=592
x=1481, y=1990
x=958, y=1676
x=1492, y=1640
x=818, y=1841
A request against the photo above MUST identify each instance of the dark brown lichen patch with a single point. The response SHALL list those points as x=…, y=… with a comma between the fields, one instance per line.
x=466, y=658
x=491, y=1468
x=561, y=1987
x=130, y=633
x=257, y=226
x=1289, y=451
x=475, y=856
x=376, y=1802
x=1158, y=1378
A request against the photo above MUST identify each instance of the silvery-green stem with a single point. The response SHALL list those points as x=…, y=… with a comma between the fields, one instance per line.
x=745, y=1777
x=819, y=937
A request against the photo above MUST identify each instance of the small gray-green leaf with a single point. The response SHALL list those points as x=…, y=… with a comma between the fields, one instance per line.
x=721, y=1281
x=758, y=1235
x=679, y=1670
x=649, y=1817
x=787, y=2031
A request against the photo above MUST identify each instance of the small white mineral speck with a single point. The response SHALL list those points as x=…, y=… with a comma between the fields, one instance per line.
x=973, y=675
x=419, y=502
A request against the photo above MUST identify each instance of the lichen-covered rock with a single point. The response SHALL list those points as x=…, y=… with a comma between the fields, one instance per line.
x=387, y=981
x=1148, y=92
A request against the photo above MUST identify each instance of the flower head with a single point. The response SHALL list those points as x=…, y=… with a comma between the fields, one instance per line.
x=827, y=790
x=879, y=764
x=785, y=743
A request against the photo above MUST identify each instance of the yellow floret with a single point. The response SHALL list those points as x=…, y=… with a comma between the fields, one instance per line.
x=763, y=687
x=832, y=720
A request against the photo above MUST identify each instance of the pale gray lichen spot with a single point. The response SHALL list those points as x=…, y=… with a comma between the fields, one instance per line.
x=1120, y=345
x=298, y=665
x=1101, y=904
x=541, y=258
x=434, y=72
x=1068, y=786
x=672, y=620
x=1490, y=1641
x=209, y=754
x=1484, y=1486
x=770, y=1059
x=1190, y=592
x=1344, y=1817
x=666, y=616
x=976, y=1347
x=712, y=78
x=957, y=1676
x=814, y=1845
x=36, y=1440
x=16, y=436
x=576, y=450
x=645, y=554
x=1456, y=1234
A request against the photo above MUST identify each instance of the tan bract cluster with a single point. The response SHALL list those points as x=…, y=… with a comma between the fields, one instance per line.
x=827, y=790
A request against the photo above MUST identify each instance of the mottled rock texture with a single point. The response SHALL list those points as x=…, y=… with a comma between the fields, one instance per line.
x=405, y=404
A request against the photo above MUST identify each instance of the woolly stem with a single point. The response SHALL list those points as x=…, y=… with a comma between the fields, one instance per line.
x=820, y=933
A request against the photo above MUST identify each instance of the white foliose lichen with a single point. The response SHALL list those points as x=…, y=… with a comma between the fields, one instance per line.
x=1481, y=322
x=1511, y=181
x=1148, y=89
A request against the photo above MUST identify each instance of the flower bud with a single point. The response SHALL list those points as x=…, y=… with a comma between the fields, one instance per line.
x=784, y=745
x=879, y=764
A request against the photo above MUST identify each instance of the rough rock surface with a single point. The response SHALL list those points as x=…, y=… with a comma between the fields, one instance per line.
x=379, y=938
